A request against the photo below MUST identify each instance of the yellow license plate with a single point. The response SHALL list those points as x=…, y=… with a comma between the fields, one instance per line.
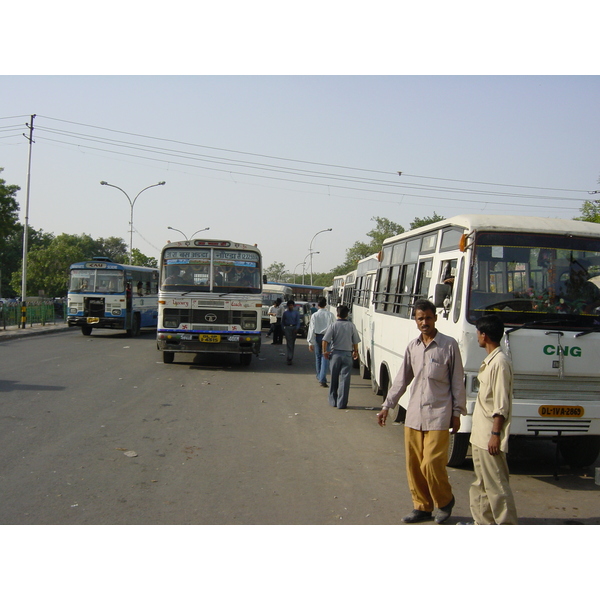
x=561, y=411
x=211, y=339
x=92, y=320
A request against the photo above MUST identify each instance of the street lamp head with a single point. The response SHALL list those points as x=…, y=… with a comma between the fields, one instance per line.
x=103, y=183
x=162, y=182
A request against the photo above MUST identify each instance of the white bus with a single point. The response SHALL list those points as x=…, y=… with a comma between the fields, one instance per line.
x=270, y=293
x=525, y=270
x=210, y=299
x=362, y=309
x=108, y=295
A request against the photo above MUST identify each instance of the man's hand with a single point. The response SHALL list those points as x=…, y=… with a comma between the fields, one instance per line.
x=382, y=417
x=494, y=445
x=311, y=347
x=455, y=424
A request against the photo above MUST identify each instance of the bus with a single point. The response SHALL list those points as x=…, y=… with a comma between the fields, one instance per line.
x=107, y=295
x=210, y=299
x=306, y=293
x=270, y=293
x=540, y=276
x=362, y=308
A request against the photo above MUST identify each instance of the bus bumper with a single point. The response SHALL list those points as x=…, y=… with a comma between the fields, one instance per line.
x=221, y=343
x=97, y=322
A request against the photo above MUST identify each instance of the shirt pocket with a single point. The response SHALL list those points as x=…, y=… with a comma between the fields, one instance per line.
x=437, y=371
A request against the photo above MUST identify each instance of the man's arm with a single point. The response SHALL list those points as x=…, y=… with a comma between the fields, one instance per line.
x=494, y=443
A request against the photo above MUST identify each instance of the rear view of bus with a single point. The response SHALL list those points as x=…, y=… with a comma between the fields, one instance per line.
x=210, y=299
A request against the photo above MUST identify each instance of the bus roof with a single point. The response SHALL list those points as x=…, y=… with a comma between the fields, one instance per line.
x=508, y=223
x=206, y=243
x=102, y=263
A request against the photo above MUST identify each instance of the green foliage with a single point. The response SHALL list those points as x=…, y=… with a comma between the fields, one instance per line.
x=590, y=211
x=115, y=249
x=383, y=229
x=9, y=209
x=420, y=222
x=276, y=272
x=141, y=260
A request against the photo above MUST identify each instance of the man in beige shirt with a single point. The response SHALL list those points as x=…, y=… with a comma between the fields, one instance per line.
x=433, y=365
x=491, y=498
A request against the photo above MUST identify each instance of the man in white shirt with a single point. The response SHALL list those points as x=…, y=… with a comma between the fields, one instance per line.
x=319, y=322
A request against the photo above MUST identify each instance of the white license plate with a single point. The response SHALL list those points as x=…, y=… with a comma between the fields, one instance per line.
x=233, y=338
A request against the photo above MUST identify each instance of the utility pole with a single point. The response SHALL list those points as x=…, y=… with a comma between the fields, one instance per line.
x=26, y=230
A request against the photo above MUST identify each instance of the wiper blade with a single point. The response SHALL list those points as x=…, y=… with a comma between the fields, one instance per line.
x=592, y=330
x=531, y=323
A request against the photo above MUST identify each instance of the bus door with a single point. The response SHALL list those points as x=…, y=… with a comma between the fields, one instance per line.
x=128, y=301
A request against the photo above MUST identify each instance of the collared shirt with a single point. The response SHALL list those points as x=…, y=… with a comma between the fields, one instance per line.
x=272, y=314
x=341, y=335
x=279, y=310
x=319, y=322
x=438, y=390
x=290, y=318
x=494, y=398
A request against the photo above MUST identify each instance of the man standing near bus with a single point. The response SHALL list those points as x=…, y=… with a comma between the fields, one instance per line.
x=319, y=323
x=491, y=499
x=290, y=322
x=437, y=401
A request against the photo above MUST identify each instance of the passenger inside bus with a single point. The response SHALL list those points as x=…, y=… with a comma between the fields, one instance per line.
x=580, y=293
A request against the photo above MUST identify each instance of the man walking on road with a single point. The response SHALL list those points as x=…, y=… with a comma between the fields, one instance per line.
x=319, y=323
x=344, y=339
x=290, y=322
x=492, y=501
x=437, y=401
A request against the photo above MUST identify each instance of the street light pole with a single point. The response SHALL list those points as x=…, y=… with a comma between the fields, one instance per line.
x=131, y=204
x=193, y=234
x=300, y=263
x=310, y=250
x=309, y=254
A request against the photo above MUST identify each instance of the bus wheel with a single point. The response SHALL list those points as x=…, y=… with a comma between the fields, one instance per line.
x=581, y=450
x=365, y=373
x=86, y=330
x=457, y=450
x=375, y=387
x=245, y=359
x=168, y=357
x=135, y=326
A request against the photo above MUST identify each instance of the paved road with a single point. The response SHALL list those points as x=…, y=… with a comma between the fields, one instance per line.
x=216, y=443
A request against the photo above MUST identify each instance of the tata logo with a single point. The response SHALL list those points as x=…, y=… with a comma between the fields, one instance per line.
x=551, y=350
x=210, y=317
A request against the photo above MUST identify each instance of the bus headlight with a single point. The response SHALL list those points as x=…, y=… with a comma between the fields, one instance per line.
x=249, y=325
x=171, y=323
x=115, y=311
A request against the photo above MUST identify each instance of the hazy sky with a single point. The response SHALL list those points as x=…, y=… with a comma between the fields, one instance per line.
x=259, y=159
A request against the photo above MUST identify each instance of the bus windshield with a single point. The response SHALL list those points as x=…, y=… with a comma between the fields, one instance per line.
x=211, y=269
x=97, y=281
x=536, y=277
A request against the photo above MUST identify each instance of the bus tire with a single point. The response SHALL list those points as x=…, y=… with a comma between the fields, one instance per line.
x=580, y=451
x=457, y=449
x=375, y=387
x=86, y=329
x=168, y=357
x=135, y=326
x=245, y=359
x=365, y=373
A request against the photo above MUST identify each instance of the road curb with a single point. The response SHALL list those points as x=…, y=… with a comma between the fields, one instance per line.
x=41, y=330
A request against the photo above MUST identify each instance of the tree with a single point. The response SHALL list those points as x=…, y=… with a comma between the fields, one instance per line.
x=9, y=227
x=383, y=229
x=48, y=268
x=276, y=272
x=114, y=248
x=590, y=211
x=420, y=222
x=141, y=260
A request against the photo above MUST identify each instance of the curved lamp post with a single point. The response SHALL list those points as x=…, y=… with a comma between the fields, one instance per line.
x=185, y=236
x=300, y=263
x=309, y=254
x=131, y=204
x=310, y=250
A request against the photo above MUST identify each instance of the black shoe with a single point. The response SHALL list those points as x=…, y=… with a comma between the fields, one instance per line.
x=417, y=516
x=443, y=514
x=323, y=384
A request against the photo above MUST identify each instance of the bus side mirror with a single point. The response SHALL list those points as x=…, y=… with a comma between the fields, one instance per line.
x=442, y=292
x=264, y=279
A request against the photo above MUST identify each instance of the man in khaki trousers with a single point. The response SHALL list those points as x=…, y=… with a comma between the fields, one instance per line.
x=433, y=364
x=492, y=501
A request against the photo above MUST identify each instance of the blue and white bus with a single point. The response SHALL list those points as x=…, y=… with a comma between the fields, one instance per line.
x=107, y=295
